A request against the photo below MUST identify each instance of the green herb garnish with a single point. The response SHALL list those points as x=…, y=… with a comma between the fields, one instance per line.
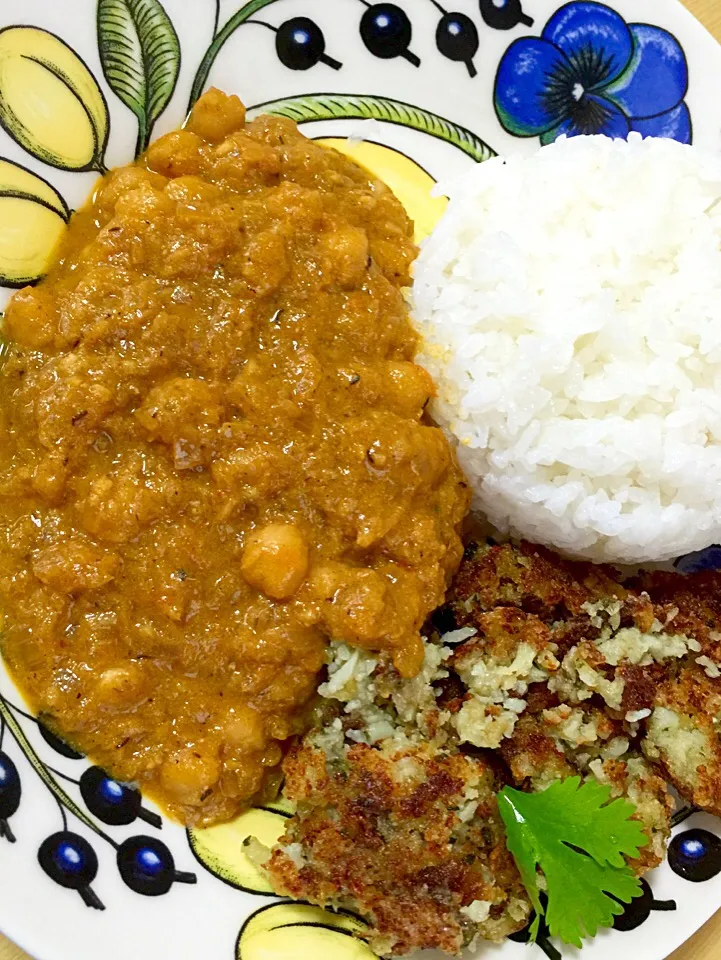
x=578, y=840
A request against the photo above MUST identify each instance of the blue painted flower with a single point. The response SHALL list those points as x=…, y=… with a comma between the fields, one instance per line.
x=708, y=559
x=591, y=72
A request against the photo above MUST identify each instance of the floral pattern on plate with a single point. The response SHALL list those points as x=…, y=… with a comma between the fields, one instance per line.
x=590, y=72
x=443, y=85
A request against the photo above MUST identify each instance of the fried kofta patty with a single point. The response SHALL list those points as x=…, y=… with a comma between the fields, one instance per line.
x=537, y=669
x=408, y=836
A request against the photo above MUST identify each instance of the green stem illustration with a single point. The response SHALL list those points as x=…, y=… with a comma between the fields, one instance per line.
x=238, y=18
x=143, y=139
x=39, y=767
x=329, y=106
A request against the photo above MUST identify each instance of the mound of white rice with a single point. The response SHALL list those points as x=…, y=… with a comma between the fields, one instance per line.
x=570, y=303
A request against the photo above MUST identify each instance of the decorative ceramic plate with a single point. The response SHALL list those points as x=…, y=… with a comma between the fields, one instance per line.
x=87, y=867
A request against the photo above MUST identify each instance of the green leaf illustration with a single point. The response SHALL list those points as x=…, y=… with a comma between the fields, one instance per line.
x=219, y=38
x=140, y=54
x=331, y=106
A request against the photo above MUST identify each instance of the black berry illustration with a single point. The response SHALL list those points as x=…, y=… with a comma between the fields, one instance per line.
x=387, y=32
x=695, y=855
x=114, y=803
x=457, y=39
x=639, y=909
x=147, y=866
x=69, y=860
x=300, y=45
x=504, y=14
x=543, y=939
x=58, y=745
x=10, y=791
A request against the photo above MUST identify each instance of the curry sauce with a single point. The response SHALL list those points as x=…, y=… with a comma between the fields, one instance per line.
x=216, y=457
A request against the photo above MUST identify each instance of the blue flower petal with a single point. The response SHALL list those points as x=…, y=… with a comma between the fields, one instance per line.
x=708, y=559
x=673, y=125
x=595, y=38
x=524, y=75
x=599, y=116
x=656, y=80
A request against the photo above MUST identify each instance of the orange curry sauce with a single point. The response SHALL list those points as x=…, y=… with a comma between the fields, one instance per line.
x=215, y=458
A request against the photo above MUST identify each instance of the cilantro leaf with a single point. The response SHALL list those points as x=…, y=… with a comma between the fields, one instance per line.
x=578, y=840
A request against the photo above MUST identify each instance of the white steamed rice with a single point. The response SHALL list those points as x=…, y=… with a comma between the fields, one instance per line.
x=570, y=303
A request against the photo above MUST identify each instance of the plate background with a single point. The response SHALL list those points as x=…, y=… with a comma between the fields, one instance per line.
x=57, y=909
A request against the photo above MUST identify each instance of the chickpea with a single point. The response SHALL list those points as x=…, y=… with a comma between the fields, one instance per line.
x=275, y=560
x=244, y=729
x=408, y=388
x=243, y=780
x=177, y=154
x=266, y=264
x=354, y=602
x=123, y=181
x=303, y=205
x=31, y=319
x=177, y=408
x=346, y=254
x=189, y=774
x=241, y=162
x=50, y=477
x=190, y=190
x=121, y=687
x=394, y=256
x=143, y=203
x=216, y=115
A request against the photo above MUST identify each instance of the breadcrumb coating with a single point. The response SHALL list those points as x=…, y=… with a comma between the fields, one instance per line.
x=536, y=669
x=406, y=835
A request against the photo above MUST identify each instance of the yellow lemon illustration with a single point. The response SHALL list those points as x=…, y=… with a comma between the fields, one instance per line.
x=300, y=931
x=410, y=182
x=32, y=222
x=220, y=849
x=29, y=233
x=16, y=179
x=49, y=100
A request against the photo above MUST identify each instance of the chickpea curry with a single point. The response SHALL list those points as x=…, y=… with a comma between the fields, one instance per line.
x=216, y=458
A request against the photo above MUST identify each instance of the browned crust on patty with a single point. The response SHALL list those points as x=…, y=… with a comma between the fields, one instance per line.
x=394, y=846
